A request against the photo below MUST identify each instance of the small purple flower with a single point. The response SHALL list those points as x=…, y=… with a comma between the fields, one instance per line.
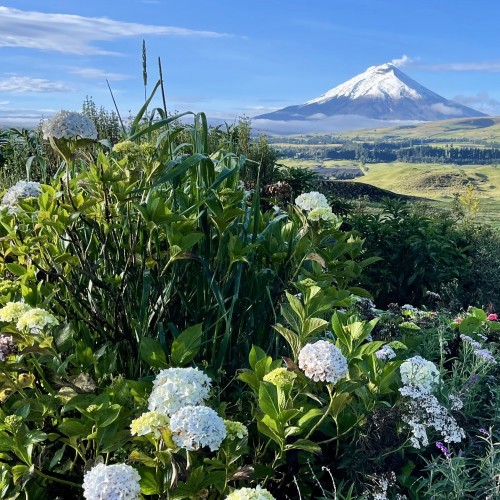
x=484, y=431
x=486, y=355
x=472, y=380
x=444, y=450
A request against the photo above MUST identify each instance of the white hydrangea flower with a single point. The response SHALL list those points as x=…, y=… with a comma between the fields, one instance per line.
x=36, y=319
x=19, y=191
x=423, y=410
x=175, y=388
x=12, y=311
x=385, y=352
x=311, y=201
x=111, y=482
x=149, y=423
x=194, y=427
x=419, y=372
x=323, y=361
x=257, y=493
x=69, y=125
x=235, y=430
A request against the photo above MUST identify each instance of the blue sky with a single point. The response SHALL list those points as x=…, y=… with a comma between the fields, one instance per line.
x=232, y=58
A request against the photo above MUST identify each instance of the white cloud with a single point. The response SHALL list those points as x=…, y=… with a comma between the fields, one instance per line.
x=28, y=85
x=403, y=61
x=446, y=110
x=95, y=73
x=485, y=66
x=24, y=117
x=3, y=103
x=72, y=34
x=481, y=101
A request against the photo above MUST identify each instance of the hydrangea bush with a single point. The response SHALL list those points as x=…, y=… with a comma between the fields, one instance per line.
x=164, y=335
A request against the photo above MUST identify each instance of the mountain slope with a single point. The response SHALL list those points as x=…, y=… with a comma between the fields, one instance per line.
x=382, y=92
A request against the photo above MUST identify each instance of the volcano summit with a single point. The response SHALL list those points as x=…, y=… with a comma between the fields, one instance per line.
x=382, y=93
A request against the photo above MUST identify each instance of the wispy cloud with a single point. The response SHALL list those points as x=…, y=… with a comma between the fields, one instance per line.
x=403, y=61
x=98, y=74
x=72, y=34
x=24, y=117
x=28, y=85
x=484, y=66
x=481, y=101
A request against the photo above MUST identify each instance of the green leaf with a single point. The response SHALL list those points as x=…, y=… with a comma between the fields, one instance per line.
x=18, y=471
x=75, y=427
x=186, y=346
x=304, y=444
x=296, y=305
x=291, y=337
x=309, y=415
x=271, y=399
x=256, y=354
x=152, y=353
x=16, y=269
x=149, y=485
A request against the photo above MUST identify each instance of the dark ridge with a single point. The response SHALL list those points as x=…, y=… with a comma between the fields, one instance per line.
x=354, y=190
x=478, y=122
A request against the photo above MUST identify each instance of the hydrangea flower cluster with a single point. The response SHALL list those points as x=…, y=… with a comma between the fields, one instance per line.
x=257, y=493
x=19, y=191
x=417, y=371
x=12, y=311
x=69, y=125
x=149, y=423
x=194, y=427
x=423, y=411
x=323, y=361
x=311, y=201
x=280, y=377
x=322, y=213
x=385, y=352
x=36, y=319
x=106, y=482
x=235, y=430
x=175, y=388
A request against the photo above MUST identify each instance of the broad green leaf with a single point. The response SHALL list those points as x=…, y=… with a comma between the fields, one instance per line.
x=304, y=444
x=152, y=352
x=271, y=399
x=186, y=346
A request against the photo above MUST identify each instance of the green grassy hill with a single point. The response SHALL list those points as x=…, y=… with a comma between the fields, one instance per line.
x=485, y=129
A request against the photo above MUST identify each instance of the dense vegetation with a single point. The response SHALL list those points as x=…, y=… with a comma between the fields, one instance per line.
x=183, y=315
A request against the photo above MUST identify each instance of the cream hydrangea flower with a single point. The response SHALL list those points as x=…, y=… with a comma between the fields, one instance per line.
x=235, y=430
x=12, y=311
x=323, y=361
x=311, y=201
x=175, y=388
x=419, y=372
x=126, y=148
x=69, y=125
x=194, y=427
x=149, y=423
x=280, y=377
x=257, y=493
x=107, y=482
x=36, y=319
x=322, y=213
x=19, y=191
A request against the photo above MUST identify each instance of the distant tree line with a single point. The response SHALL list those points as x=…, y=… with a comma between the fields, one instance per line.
x=387, y=152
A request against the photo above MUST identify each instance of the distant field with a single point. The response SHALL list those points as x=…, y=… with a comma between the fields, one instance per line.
x=434, y=182
x=487, y=129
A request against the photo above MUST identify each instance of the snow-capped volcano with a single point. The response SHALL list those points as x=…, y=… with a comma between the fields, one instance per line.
x=382, y=92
